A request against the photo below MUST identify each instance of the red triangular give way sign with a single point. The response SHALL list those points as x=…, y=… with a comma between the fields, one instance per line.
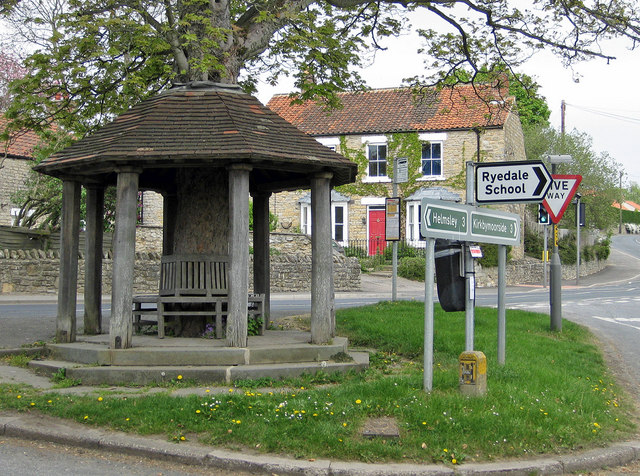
x=560, y=194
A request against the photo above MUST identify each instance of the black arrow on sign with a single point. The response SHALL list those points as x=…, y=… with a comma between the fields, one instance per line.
x=544, y=181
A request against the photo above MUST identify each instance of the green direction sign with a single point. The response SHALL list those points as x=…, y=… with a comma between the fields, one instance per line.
x=442, y=220
x=453, y=221
x=495, y=227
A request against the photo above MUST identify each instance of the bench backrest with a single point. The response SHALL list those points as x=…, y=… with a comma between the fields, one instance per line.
x=193, y=275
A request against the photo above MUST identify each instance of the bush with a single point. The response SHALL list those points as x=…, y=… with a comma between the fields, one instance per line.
x=355, y=251
x=404, y=251
x=533, y=244
x=490, y=256
x=603, y=248
x=412, y=268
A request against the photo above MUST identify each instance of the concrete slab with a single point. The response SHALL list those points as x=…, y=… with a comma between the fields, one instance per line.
x=19, y=376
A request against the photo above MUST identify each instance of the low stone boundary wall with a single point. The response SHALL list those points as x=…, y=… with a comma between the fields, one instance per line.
x=532, y=272
x=37, y=272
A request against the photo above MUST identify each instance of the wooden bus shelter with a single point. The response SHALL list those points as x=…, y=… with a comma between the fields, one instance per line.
x=206, y=147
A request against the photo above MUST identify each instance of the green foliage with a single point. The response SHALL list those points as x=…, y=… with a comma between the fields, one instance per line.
x=534, y=246
x=412, y=268
x=629, y=216
x=273, y=219
x=254, y=326
x=490, y=255
x=547, y=408
x=404, y=251
x=600, y=173
x=41, y=199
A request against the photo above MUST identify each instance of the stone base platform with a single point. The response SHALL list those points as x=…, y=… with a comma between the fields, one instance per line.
x=276, y=354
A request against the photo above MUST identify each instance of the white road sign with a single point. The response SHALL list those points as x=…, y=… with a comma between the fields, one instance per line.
x=511, y=182
x=560, y=194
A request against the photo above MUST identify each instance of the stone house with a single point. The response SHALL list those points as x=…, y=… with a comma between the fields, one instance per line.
x=16, y=160
x=437, y=132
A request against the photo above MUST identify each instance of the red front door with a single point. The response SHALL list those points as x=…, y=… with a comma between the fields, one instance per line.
x=377, y=242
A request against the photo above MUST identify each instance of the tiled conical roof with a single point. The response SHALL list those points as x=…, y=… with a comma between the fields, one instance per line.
x=201, y=125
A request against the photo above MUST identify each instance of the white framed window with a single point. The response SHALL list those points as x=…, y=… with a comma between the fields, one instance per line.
x=339, y=217
x=413, y=223
x=339, y=226
x=305, y=218
x=377, y=154
x=376, y=149
x=431, y=163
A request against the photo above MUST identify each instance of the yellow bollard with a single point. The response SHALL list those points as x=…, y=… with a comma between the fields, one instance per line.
x=473, y=373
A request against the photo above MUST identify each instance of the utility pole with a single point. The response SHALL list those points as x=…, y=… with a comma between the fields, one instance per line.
x=555, y=278
x=621, y=198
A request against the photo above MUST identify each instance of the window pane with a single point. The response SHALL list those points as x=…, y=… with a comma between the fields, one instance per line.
x=436, y=151
x=436, y=168
x=382, y=169
x=339, y=235
x=382, y=152
x=339, y=214
x=373, y=153
x=426, y=150
x=426, y=167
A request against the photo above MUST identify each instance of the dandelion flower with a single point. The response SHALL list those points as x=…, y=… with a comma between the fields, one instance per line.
x=99, y=399
x=19, y=396
x=179, y=377
x=344, y=424
x=358, y=401
x=182, y=438
x=86, y=417
x=197, y=411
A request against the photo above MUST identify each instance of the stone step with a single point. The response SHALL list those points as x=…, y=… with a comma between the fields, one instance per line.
x=145, y=375
x=88, y=353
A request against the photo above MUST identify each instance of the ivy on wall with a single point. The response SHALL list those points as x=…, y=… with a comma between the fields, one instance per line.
x=406, y=144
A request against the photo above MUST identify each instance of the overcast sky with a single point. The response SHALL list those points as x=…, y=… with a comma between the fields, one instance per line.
x=604, y=102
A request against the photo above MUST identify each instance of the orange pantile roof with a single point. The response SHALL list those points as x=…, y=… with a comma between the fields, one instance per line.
x=20, y=144
x=399, y=110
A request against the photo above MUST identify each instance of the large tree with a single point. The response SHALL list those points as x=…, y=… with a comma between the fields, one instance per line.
x=97, y=57
x=600, y=172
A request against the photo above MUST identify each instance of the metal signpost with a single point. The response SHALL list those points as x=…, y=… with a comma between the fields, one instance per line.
x=466, y=223
x=400, y=175
x=453, y=221
x=556, y=202
x=511, y=182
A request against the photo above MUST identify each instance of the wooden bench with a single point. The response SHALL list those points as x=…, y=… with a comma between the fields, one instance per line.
x=193, y=285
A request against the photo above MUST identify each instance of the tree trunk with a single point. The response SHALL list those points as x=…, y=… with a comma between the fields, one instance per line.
x=201, y=226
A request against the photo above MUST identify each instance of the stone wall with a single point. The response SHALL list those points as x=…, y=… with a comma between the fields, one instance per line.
x=37, y=271
x=531, y=271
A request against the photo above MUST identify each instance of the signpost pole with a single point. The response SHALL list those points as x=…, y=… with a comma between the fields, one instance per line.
x=555, y=284
x=545, y=257
x=502, y=313
x=428, y=314
x=577, y=239
x=469, y=272
x=394, y=259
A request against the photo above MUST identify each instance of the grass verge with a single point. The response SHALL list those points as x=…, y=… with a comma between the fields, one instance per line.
x=553, y=395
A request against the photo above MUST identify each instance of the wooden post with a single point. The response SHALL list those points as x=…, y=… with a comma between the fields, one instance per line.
x=124, y=251
x=238, y=255
x=169, y=213
x=261, y=261
x=93, y=261
x=68, y=288
x=322, y=297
